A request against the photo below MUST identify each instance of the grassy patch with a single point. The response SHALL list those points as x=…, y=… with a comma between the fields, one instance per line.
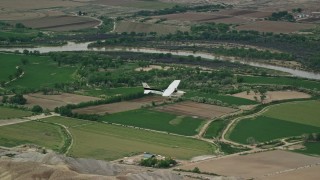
x=42, y=134
x=304, y=112
x=109, y=142
x=8, y=65
x=68, y=122
x=214, y=129
x=229, y=149
x=311, y=148
x=6, y=113
x=308, y=84
x=266, y=129
x=155, y=120
x=224, y=98
x=40, y=72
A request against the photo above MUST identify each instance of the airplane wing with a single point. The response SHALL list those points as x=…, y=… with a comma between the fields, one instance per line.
x=171, y=88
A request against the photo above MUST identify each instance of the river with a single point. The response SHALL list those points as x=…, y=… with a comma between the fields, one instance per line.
x=70, y=46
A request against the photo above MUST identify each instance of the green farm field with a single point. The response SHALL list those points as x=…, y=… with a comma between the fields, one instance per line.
x=279, y=121
x=8, y=65
x=42, y=134
x=40, y=71
x=159, y=121
x=113, y=142
x=311, y=148
x=265, y=129
x=214, y=129
x=7, y=113
x=304, y=112
x=282, y=81
x=224, y=98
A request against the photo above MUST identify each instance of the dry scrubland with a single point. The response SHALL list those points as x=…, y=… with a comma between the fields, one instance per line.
x=260, y=165
x=201, y=110
x=120, y=106
x=52, y=101
x=29, y=164
x=273, y=95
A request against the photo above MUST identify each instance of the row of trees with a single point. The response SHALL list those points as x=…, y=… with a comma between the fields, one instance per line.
x=181, y=9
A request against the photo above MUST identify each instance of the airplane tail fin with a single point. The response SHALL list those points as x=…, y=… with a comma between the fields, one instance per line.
x=146, y=88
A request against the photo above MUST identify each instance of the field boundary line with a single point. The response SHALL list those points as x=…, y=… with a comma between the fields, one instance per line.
x=67, y=132
x=25, y=119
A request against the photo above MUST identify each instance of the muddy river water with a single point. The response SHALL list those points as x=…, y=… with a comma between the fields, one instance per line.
x=84, y=47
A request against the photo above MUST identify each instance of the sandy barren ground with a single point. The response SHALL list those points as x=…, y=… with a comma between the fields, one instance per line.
x=201, y=110
x=274, y=95
x=34, y=165
x=52, y=101
x=120, y=106
x=261, y=165
x=151, y=67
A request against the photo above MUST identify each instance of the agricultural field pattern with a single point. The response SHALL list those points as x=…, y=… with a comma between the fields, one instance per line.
x=159, y=89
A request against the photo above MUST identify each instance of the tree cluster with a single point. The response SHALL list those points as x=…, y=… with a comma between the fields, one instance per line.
x=16, y=99
x=156, y=163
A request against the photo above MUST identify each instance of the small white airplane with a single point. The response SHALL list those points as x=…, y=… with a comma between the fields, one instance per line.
x=170, y=91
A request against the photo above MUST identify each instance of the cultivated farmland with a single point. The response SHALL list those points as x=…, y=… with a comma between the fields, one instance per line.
x=305, y=112
x=194, y=109
x=61, y=23
x=127, y=26
x=264, y=128
x=307, y=84
x=107, y=92
x=33, y=8
x=52, y=101
x=6, y=113
x=223, y=98
x=275, y=26
x=109, y=142
x=258, y=165
x=310, y=148
x=283, y=120
x=42, y=134
x=155, y=120
x=214, y=129
x=142, y=4
x=120, y=106
x=273, y=95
